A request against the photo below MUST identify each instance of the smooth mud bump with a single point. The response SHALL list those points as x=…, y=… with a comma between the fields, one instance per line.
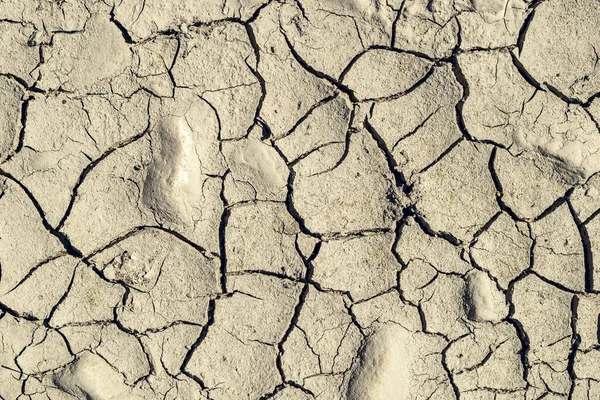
x=173, y=175
x=385, y=369
x=299, y=200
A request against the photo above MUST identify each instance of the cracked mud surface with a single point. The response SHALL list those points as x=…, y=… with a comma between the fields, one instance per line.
x=299, y=199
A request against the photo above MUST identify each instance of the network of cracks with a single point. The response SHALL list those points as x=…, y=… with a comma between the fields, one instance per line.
x=299, y=199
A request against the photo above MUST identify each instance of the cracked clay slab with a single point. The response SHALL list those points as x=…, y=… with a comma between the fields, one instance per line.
x=299, y=200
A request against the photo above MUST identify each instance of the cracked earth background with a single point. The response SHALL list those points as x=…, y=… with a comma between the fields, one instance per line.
x=309, y=199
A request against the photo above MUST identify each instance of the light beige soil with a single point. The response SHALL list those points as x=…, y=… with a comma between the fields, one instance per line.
x=299, y=199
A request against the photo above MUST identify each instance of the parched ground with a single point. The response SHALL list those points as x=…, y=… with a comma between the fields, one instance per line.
x=299, y=199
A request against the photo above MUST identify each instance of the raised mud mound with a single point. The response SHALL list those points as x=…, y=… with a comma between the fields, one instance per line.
x=299, y=199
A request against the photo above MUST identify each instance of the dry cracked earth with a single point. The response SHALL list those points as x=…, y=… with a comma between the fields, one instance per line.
x=295, y=200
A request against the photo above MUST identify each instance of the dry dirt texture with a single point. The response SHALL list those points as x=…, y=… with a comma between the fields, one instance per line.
x=299, y=199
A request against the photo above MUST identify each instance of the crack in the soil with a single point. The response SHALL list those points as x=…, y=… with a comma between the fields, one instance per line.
x=307, y=281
